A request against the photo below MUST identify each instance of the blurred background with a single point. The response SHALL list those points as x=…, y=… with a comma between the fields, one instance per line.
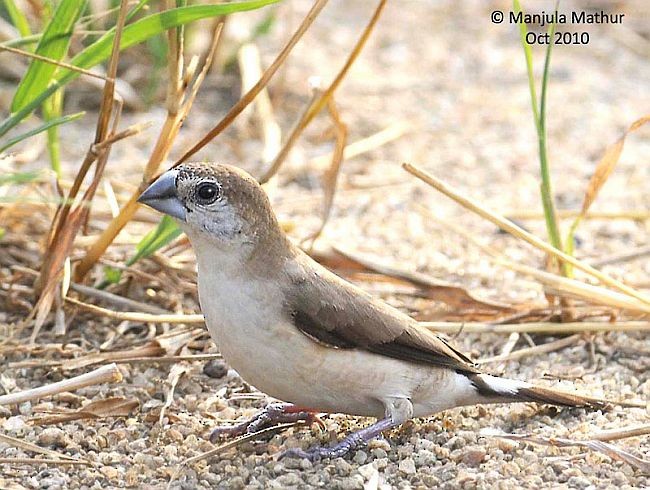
x=437, y=85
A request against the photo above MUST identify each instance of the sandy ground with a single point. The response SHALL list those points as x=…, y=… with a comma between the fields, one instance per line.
x=459, y=81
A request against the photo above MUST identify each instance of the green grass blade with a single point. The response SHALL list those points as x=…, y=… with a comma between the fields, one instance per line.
x=155, y=24
x=53, y=109
x=44, y=127
x=18, y=19
x=528, y=54
x=18, y=178
x=134, y=33
x=54, y=45
x=546, y=189
x=166, y=231
x=539, y=115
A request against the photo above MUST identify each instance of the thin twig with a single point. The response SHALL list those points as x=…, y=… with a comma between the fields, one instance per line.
x=621, y=433
x=519, y=232
x=594, y=445
x=28, y=446
x=229, y=445
x=115, y=137
x=116, y=300
x=136, y=316
x=538, y=349
x=332, y=173
x=104, y=374
x=250, y=66
x=320, y=102
x=173, y=122
x=45, y=59
x=257, y=88
x=43, y=461
x=444, y=327
x=626, y=256
x=559, y=285
x=364, y=145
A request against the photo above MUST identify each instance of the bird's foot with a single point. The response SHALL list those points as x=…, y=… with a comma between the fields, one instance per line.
x=317, y=453
x=274, y=413
x=339, y=450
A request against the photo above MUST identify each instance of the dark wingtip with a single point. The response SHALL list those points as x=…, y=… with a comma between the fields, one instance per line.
x=545, y=395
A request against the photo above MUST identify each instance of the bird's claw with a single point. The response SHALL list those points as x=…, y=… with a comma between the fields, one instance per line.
x=317, y=453
x=274, y=413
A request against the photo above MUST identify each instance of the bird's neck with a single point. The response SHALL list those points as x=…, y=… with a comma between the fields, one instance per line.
x=262, y=258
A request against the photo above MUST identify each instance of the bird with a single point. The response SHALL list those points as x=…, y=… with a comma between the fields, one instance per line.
x=301, y=334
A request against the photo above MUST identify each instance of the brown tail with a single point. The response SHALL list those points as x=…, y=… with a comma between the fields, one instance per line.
x=554, y=397
x=498, y=390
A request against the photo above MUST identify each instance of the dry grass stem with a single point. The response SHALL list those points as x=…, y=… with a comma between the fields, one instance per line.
x=250, y=67
x=116, y=300
x=538, y=349
x=332, y=173
x=229, y=445
x=626, y=256
x=621, y=433
x=537, y=327
x=104, y=374
x=566, y=287
x=28, y=446
x=67, y=221
x=518, y=232
x=136, y=316
x=372, y=142
x=155, y=356
x=257, y=88
x=115, y=137
x=45, y=59
x=174, y=377
x=320, y=102
x=594, y=445
x=43, y=461
x=559, y=285
x=179, y=103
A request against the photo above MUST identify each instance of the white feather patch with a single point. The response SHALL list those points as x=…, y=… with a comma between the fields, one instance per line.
x=503, y=385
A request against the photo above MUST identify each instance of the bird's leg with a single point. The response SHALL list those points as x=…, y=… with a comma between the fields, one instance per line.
x=346, y=445
x=273, y=413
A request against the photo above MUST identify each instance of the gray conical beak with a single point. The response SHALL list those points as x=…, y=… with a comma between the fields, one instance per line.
x=162, y=196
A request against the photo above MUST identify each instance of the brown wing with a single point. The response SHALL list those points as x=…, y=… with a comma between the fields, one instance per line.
x=337, y=314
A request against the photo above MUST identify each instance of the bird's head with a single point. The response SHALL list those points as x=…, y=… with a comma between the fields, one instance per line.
x=215, y=203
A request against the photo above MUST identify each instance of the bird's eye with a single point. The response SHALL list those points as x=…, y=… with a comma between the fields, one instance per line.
x=208, y=192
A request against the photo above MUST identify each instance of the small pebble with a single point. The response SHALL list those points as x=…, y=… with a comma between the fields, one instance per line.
x=578, y=482
x=14, y=424
x=407, y=466
x=216, y=368
x=289, y=480
x=379, y=453
x=473, y=456
x=367, y=471
x=53, y=436
x=351, y=483
x=360, y=457
x=343, y=468
x=110, y=472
